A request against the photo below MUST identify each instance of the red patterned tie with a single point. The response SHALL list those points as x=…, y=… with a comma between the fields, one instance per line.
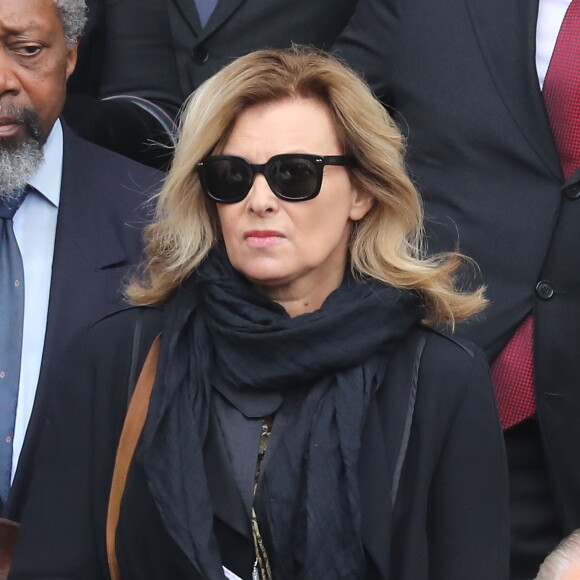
x=513, y=370
x=512, y=374
x=562, y=91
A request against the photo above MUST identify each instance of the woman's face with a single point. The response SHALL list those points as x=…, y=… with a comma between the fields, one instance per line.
x=293, y=251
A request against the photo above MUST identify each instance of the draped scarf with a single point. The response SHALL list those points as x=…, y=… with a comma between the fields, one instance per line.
x=327, y=364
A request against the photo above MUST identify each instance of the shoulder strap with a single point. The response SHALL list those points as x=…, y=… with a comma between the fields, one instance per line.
x=132, y=428
x=410, y=413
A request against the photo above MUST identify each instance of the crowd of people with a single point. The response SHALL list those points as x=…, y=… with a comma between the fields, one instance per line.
x=258, y=260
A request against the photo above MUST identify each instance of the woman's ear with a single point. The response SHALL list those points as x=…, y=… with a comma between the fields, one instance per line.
x=362, y=202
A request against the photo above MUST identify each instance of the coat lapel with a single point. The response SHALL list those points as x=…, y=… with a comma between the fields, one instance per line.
x=506, y=33
x=375, y=477
x=226, y=499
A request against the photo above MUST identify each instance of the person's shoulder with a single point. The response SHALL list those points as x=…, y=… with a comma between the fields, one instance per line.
x=127, y=317
x=123, y=328
x=106, y=165
x=444, y=343
x=425, y=341
x=444, y=363
x=451, y=367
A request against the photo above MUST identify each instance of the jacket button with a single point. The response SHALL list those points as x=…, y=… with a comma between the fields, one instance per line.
x=544, y=290
x=572, y=191
x=200, y=54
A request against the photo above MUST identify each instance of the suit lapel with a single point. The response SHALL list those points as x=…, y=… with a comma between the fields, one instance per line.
x=189, y=12
x=223, y=10
x=500, y=26
x=86, y=245
x=86, y=241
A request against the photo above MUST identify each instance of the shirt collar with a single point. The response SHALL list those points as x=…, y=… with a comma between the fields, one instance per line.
x=47, y=179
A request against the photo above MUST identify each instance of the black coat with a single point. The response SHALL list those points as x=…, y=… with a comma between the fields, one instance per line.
x=461, y=79
x=98, y=241
x=449, y=521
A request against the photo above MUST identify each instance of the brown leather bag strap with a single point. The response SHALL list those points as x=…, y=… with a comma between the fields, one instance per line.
x=132, y=428
x=8, y=536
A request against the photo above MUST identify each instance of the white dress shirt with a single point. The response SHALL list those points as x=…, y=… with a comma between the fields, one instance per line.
x=550, y=16
x=35, y=231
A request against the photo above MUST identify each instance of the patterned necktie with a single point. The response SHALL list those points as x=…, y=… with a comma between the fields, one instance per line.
x=513, y=370
x=562, y=91
x=205, y=9
x=11, y=321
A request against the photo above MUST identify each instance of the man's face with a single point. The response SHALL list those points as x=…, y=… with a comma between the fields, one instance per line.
x=35, y=64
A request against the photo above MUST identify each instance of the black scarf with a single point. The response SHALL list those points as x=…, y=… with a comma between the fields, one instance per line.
x=328, y=363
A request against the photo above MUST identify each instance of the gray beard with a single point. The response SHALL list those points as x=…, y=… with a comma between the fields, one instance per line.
x=18, y=164
x=20, y=158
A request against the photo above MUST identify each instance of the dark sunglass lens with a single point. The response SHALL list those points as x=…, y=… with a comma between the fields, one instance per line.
x=227, y=180
x=294, y=177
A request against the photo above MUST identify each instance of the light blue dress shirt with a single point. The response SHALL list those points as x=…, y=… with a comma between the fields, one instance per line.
x=35, y=231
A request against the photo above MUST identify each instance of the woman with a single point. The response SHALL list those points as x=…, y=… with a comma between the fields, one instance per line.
x=305, y=422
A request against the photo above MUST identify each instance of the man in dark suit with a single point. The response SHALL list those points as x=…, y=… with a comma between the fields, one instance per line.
x=145, y=58
x=77, y=229
x=464, y=80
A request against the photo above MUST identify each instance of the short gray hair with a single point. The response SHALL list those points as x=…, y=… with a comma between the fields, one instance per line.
x=564, y=558
x=73, y=17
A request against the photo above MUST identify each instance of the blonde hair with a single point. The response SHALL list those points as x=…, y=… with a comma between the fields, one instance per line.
x=387, y=244
x=564, y=559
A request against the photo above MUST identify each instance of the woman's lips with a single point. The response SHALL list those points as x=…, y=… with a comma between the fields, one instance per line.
x=262, y=238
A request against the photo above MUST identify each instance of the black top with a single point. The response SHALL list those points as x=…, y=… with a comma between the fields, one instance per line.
x=449, y=522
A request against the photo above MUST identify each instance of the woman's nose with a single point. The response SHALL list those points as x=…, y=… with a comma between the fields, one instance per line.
x=261, y=199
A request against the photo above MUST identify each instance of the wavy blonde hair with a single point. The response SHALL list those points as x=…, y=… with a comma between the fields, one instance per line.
x=387, y=244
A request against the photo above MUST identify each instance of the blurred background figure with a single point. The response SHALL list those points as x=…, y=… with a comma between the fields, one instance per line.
x=145, y=58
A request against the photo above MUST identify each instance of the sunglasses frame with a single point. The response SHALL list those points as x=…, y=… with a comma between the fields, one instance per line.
x=319, y=161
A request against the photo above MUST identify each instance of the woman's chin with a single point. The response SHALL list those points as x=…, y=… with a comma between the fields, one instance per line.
x=268, y=282
x=265, y=272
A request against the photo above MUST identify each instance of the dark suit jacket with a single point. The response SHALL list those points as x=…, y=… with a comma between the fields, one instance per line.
x=460, y=78
x=98, y=240
x=158, y=51
x=449, y=521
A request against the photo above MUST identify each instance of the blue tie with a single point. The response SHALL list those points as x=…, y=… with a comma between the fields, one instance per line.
x=11, y=321
x=205, y=9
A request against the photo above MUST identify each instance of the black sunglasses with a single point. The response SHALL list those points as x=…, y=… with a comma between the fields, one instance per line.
x=291, y=176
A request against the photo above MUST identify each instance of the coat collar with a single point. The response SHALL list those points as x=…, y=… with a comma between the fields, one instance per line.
x=511, y=64
x=226, y=499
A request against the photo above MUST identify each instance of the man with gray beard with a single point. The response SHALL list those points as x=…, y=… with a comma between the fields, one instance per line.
x=70, y=217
